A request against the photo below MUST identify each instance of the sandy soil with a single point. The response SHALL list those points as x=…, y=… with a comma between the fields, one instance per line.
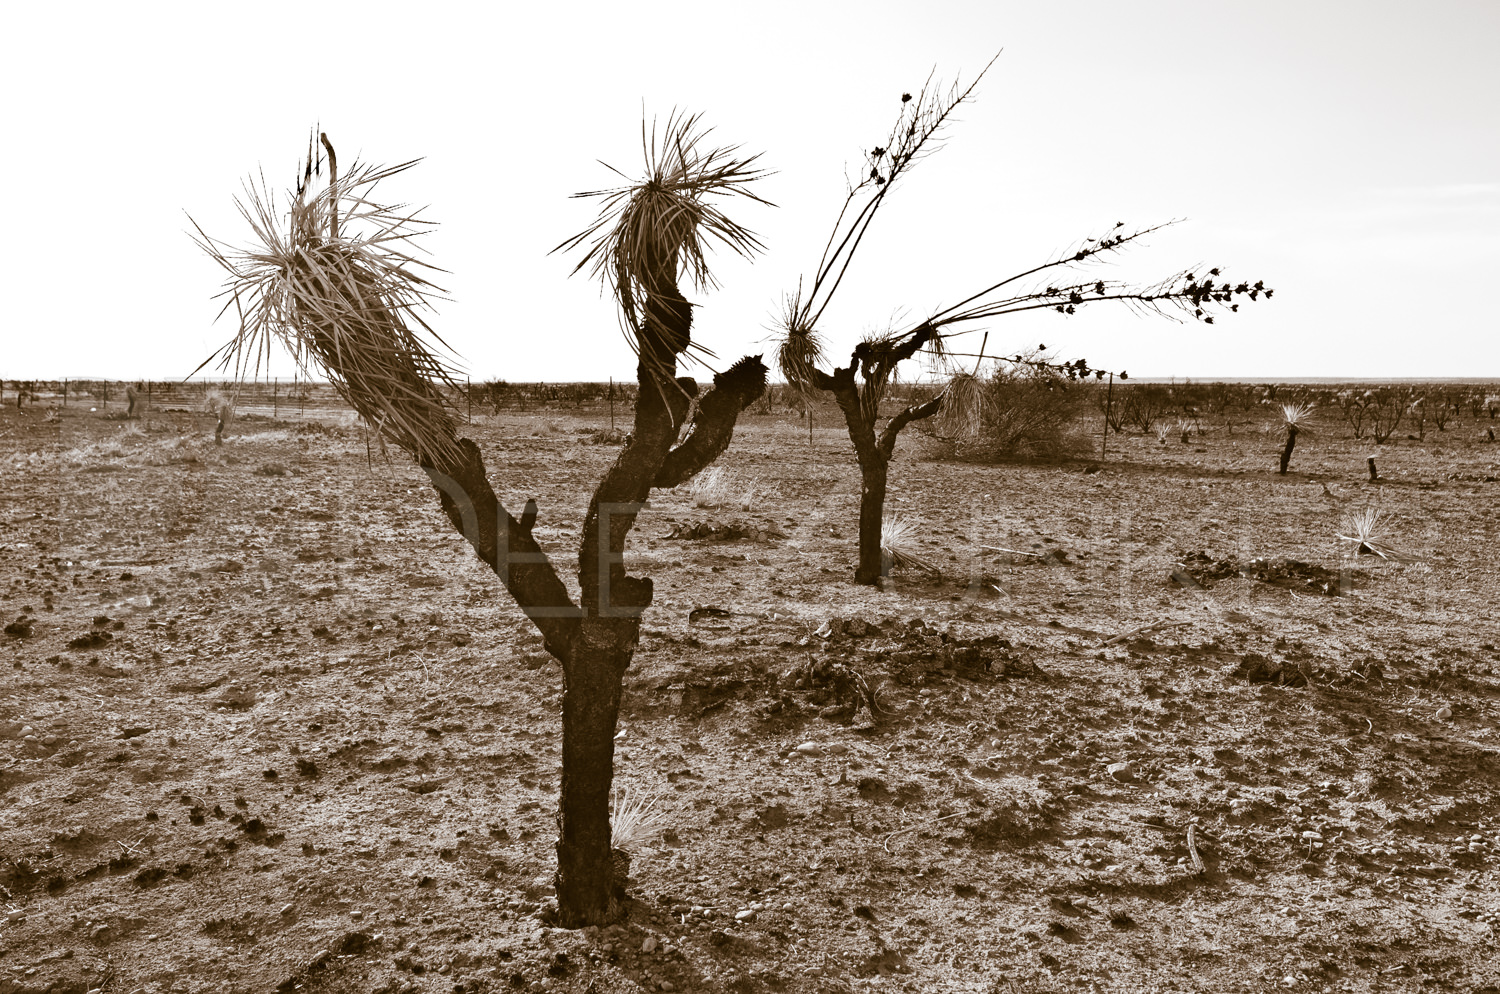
x=265, y=722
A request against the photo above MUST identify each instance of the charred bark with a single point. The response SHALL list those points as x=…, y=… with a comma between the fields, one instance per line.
x=1291, y=443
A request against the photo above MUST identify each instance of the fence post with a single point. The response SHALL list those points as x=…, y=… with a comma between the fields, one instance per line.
x=148, y=396
x=611, y=404
x=469, y=396
x=65, y=393
x=275, y=398
x=1109, y=396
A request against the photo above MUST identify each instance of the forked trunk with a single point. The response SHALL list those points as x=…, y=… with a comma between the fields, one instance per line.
x=872, y=473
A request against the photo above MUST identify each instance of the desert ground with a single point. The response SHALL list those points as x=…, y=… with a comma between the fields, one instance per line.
x=267, y=724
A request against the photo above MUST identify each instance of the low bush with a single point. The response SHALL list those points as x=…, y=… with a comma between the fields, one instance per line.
x=1021, y=414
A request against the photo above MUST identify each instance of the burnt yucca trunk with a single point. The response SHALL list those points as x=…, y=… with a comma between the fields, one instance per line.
x=872, y=485
x=1291, y=443
x=587, y=891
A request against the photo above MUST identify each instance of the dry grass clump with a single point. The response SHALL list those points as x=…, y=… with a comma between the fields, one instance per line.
x=721, y=487
x=898, y=536
x=346, y=299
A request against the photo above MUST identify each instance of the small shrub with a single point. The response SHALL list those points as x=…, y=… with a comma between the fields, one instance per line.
x=1023, y=414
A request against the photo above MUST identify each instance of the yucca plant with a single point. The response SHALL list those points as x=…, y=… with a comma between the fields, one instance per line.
x=349, y=303
x=860, y=386
x=636, y=817
x=334, y=280
x=1362, y=524
x=1294, y=418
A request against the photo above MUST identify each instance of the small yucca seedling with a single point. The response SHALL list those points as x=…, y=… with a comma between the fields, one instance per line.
x=897, y=541
x=1363, y=526
x=634, y=820
x=1294, y=418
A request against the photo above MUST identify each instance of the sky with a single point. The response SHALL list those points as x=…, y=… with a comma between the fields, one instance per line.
x=1346, y=153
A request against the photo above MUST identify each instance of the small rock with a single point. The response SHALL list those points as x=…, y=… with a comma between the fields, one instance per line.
x=1444, y=713
x=649, y=946
x=745, y=915
x=809, y=749
x=1124, y=772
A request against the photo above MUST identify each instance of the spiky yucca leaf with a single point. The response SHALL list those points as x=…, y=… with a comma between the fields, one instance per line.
x=651, y=230
x=897, y=540
x=347, y=304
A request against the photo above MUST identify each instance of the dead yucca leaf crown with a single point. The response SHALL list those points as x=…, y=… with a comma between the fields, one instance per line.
x=652, y=230
x=963, y=406
x=348, y=303
x=1296, y=415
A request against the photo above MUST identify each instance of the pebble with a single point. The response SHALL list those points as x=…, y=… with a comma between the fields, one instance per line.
x=809, y=749
x=745, y=915
x=649, y=946
x=1121, y=771
x=1444, y=713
